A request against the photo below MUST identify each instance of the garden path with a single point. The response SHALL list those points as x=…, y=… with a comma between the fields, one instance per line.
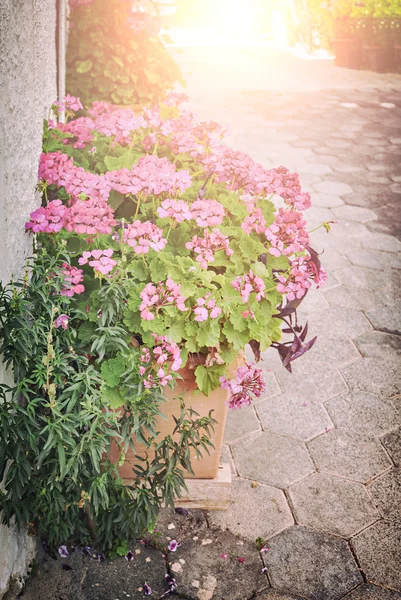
x=323, y=444
x=316, y=461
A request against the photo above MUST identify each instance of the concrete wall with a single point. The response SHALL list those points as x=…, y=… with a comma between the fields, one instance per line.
x=28, y=86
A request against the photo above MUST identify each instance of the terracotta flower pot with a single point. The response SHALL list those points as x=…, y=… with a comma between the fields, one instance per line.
x=207, y=466
x=378, y=58
x=347, y=52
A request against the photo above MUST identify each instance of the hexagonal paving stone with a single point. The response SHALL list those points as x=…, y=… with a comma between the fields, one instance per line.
x=386, y=492
x=272, y=459
x=292, y=416
x=315, y=169
x=364, y=413
x=331, y=351
x=333, y=260
x=241, y=423
x=312, y=302
x=344, y=296
x=327, y=200
x=392, y=443
x=354, y=213
x=333, y=187
x=378, y=550
x=374, y=259
x=361, y=277
x=386, y=319
x=260, y=511
x=377, y=344
x=332, y=504
x=375, y=376
x=312, y=381
x=372, y=592
x=339, y=323
x=346, y=454
x=314, y=565
x=206, y=575
x=275, y=595
x=381, y=241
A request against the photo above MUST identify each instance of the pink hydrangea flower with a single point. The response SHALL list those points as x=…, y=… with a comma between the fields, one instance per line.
x=248, y=284
x=155, y=297
x=62, y=321
x=48, y=219
x=248, y=380
x=73, y=278
x=102, y=263
x=143, y=236
x=206, y=247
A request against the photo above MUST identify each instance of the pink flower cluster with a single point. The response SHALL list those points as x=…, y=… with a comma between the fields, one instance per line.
x=115, y=121
x=143, y=236
x=151, y=175
x=73, y=278
x=48, y=219
x=69, y=103
x=90, y=217
x=287, y=185
x=57, y=168
x=255, y=221
x=234, y=168
x=249, y=284
x=206, y=309
x=154, y=297
x=248, y=381
x=287, y=235
x=158, y=361
x=300, y=276
x=178, y=210
x=207, y=213
x=239, y=171
x=102, y=263
x=206, y=247
x=81, y=129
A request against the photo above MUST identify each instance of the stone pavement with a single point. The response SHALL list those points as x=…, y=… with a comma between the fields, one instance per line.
x=316, y=460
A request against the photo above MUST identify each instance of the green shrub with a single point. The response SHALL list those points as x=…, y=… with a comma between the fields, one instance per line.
x=117, y=56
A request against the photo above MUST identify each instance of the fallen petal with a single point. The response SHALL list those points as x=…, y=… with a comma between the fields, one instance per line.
x=63, y=551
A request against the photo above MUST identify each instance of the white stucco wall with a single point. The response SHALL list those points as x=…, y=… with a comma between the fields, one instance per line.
x=28, y=86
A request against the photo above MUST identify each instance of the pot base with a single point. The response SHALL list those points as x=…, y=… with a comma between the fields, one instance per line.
x=206, y=494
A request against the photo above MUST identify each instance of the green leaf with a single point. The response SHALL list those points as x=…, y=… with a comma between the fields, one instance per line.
x=277, y=262
x=238, y=321
x=86, y=331
x=111, y=370
x=251, y=248
x=113, y=397
x=208, y=333
x=138, y=269
x=125, y=161
x=83, y=66
x=208, y=378
x=176, y=332
x=115, y=199
x=237, y=338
